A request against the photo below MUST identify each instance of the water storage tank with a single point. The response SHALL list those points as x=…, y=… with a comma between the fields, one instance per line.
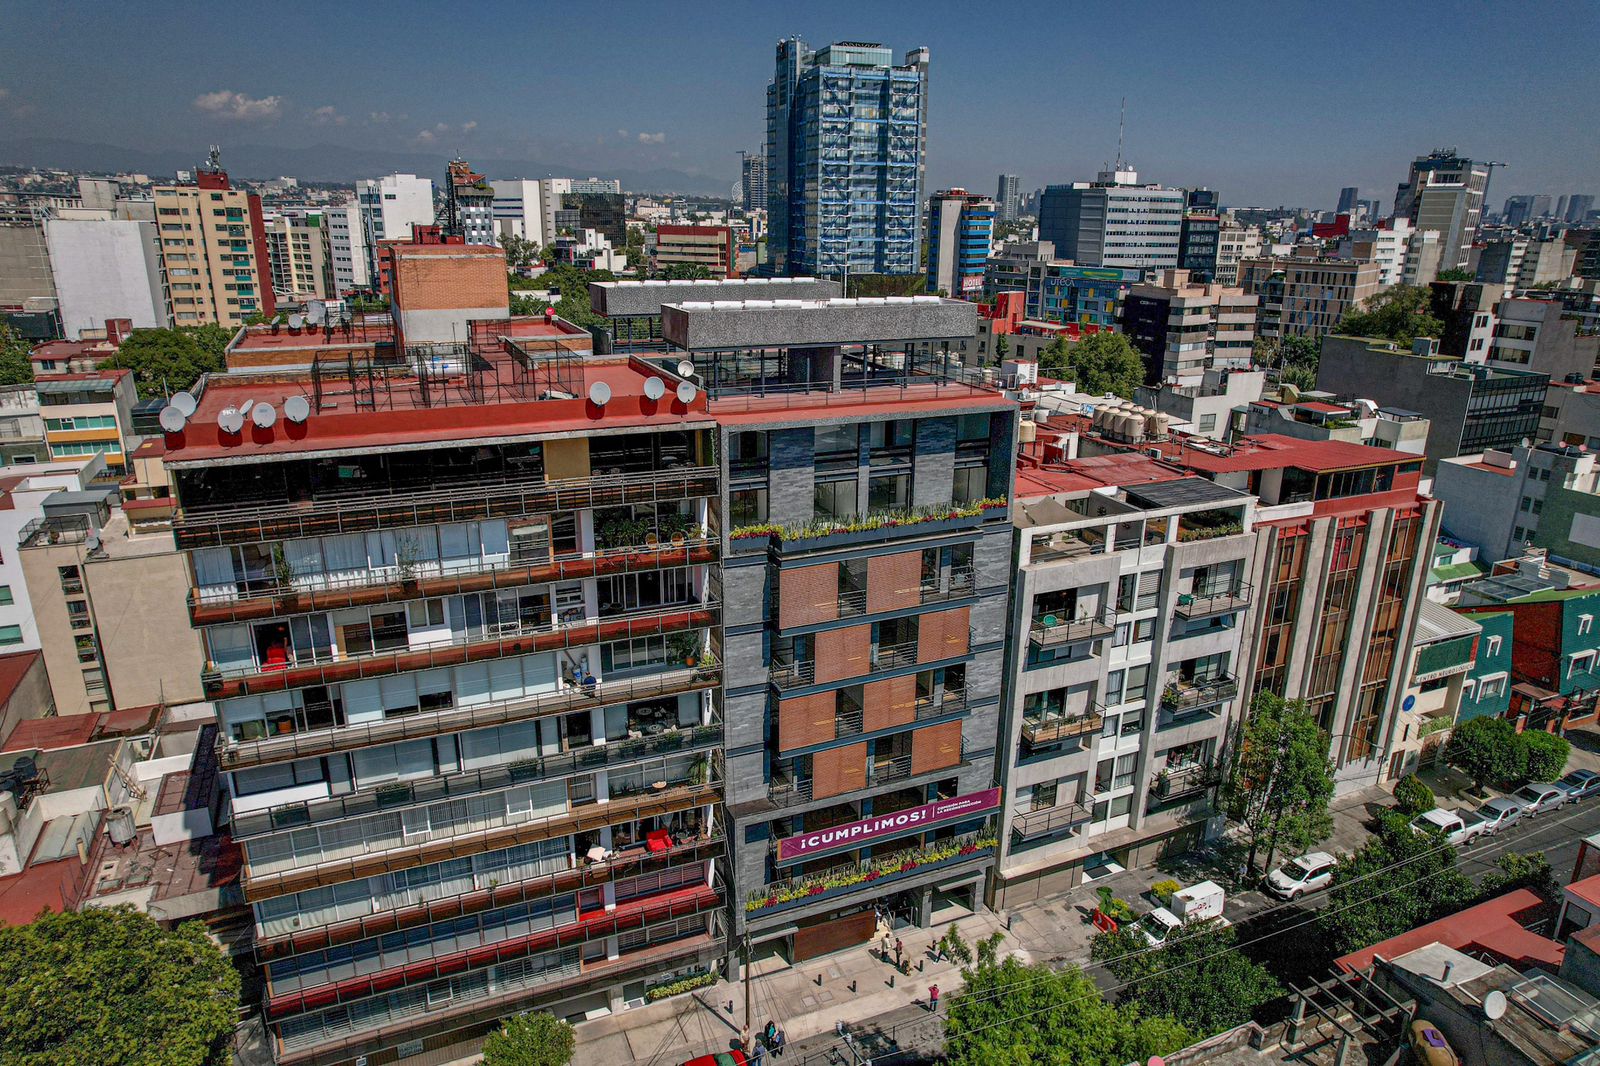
x=1289, y=393
x=119, y=825
x=1158, y=425
x=1028, y=431
x=1135, y=428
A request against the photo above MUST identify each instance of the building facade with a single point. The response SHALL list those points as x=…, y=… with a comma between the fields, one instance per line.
x=753, y=181
x=297, y=246
x=1304, y=296
x=215, y=267
x=1008, y=197
x=469, y=203
x=1444, y=192
x=1202, y=228
x=89, y=413
x=960, y=235
x=346, y=249
x=390, y=209
x=1184, y=329
x=105, y=268
x=710, y=247
x=1114, y=222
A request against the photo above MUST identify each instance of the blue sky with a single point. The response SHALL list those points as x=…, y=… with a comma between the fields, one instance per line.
x=1270, y=103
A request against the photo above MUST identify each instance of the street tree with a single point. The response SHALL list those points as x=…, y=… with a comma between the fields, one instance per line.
x=110, y=986
x=1544, y=755
x=165, y=360
x=521, y=253
x=1099, y=363
x=1487, y=750
x=1280, y=781
x=1012, y=1013
x=1398, y=880
x=1199, y=975
x=1399, y=313
x=537, y=1038
x=15, y=366
x=1514, y=870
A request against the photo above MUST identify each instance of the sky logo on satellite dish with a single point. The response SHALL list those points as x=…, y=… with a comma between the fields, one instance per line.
x=229, y=420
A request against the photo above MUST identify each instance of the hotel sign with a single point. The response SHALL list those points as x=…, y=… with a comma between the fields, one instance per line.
x=914, y=819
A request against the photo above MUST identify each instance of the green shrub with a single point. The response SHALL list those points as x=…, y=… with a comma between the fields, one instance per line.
x=1412, y=796
x=1544, y=755
x=1163, y=890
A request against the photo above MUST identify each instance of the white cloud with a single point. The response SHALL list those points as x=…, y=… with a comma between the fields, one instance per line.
x=378, y=117
x=652, y=138
x=468, y=127
x=239, y=107
x=328, y=116
x=425, y=136
x=623, y=134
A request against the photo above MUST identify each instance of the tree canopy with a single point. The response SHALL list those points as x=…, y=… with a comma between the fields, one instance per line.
x=110, y=986
x=1281, y=780
x=1198, y=975
x=537, y=1038
x=1399, y=314
x=573, y=284
x=166, y=360
x=521, y=253
x=15, y=366
x=1491, y=751
x=1100, y=363
x=1398, y=880
x=1028, y=1014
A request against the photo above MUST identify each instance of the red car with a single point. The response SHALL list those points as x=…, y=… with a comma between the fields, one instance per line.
x=731, y=1057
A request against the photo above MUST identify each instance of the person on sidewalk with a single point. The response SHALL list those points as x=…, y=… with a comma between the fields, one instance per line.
x=779, y=1040
x=899, y=954
x=933, y=999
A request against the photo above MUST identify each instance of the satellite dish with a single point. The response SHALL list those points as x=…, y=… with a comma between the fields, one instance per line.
x=184, y=402
x=1494, y=1005
x=315, y=313
x=230, y=420
x=686, y=368
x=686, y=391
x=92, y=542
x=244, y=408
x=297, y=409
x=655, y=388
x=264, y=415
x=297, y=321
x=600, y=394
x=172, y=419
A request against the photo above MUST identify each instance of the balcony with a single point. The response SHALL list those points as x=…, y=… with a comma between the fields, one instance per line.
x=872, y=873
x=1049, y=631
x=1182, y=696
x=550, y=636
x=267, y=598
x=1069, y=545
x=1037, y=825
x=1204, y=605
x=1182, y=782
x=1051, y=727
x=791, y=789
x=963, y=582
x=501, y=497
x=889, y=656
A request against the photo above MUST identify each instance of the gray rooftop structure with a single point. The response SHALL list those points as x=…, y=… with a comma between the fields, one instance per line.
x=706, y=325
x=616, y=299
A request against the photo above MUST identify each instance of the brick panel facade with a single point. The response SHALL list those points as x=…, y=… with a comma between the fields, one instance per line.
x=806, y=720
x=843, y=653
x=894, y=581
x=889, y=703
x=935, y=747
x=943, y=634
x=839, y=770
x=807, y=595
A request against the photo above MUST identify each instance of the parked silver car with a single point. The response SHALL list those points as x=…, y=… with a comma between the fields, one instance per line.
x=1580, y=785
x=1498, y=814
x=1538, y=797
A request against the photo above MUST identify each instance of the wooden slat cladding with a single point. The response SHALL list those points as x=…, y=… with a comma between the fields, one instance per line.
x=842, y=653
x=889, y=703
x=807, y=595
x=894, y=581
x=943, y=634
x=935, y=747
x=806, y=720
x=835, y=771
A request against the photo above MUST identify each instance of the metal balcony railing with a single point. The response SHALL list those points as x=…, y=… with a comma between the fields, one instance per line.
x=1192, y=695
x=1049, y=631
x=888, y=656
x=1050, y=727
x=789, y=674
x=1036, y=825
x=1236, y=598
x=1187, y=780
x=787, y=789
x=953, y=701
x=893, y=768
x=464, y=501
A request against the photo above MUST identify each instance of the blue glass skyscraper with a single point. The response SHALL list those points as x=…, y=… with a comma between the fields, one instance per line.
x=846, y=151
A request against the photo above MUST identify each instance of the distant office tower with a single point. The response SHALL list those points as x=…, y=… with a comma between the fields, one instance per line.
x=1444, y=192
x=517, y=211
x=846, y=154
x=1348, y=200
x=1518, y=210
x=1539, y=206
x=1374, y=209
x=753, y=181
x=468, y=204
x=1578, y=207
x=604, y=212
x=960, y=235
x=1008, y=197
x=213, y=251
x=1560, y=208
x=1113, y=221
x=390, y=207
x=1198, y=240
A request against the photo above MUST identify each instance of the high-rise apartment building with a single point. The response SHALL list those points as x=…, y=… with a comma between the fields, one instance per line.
x=1008, y=197
x=1444, y=192
x=846, y=155
x=1185, y=328
x=1385, y=244
x=1199, y=238
x=469, y=202
x=390, y=208
x=960, y=236
x=346, y=248
x=1114, y=221
x=752, y=181
x=215, y=267
x=1579, y=205
x=1304, y=296
x=297, y=244
x=1235, y=241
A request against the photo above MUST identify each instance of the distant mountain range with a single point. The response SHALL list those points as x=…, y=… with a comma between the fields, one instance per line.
x=326, y=163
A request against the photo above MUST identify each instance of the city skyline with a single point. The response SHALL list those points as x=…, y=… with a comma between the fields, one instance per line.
x=677, y=110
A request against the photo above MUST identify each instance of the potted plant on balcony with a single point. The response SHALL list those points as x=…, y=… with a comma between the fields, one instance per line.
x=406, y=556
x=283, y=574
x=1170, y=694
x=700, y=770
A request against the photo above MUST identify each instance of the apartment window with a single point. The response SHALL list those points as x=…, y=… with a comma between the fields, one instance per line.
x=71, y=579
x=1580, y=664
x=1494, y=647
x=1044, y=797
x=1208, y=423
x=1585, y=621
x=836, y=499
x=837, y=442
x=971, y=484
x=5, y=595
x=888, y=492
x=1492, y=688
x=747, y=506
x=10, y=635
x=86, y=649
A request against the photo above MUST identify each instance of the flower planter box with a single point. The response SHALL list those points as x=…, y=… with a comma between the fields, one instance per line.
x=871, y=536
x=874, y=878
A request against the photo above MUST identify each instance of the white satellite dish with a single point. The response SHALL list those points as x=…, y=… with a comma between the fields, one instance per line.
x=1494, y=1005
x=600, y=394
x=655, y=388
x=172, y=419
x=264, y=415
x=297, y=409
x=184, y=402
x=686, y=391
x=244, y=408
x=686, y=368
x=92, y=542
x=297, y=321
x=230, y=420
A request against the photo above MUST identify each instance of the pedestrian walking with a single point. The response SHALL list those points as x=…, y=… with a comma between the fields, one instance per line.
x=780, y=1040
x=761, y=1053
x=899, y=954
x=933, y=999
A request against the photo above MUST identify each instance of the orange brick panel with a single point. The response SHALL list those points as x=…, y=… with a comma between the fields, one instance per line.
x=894, y=581
x=935, y=747
x=839, y=770
x=943, y=634
x=889, y=703
x=808, y=594
x=843, y=653
x=807, y=720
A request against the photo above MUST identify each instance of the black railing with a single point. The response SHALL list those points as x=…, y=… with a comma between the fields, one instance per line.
x=1053, y=726
x=1037, y=824
x=1192, y=605
x=1191, y=695
x=1048, y=630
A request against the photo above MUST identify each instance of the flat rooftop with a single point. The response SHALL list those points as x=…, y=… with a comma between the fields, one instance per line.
x=616, y=299
x=704, y=325
x=282, y=338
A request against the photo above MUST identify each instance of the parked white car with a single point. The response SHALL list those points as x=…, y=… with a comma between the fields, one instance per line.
x=1308, y=873
x=1448, y=824
x=1539, y=797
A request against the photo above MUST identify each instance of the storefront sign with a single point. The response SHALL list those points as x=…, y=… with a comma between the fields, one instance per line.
x=854, y=834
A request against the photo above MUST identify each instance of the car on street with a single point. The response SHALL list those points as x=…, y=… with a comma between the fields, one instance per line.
x=1498, y=814
x=1447, y=824
x=1537, y=797
x=1580, y=785
x=1307, y=873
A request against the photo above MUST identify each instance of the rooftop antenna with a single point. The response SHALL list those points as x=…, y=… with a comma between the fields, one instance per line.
x=1121, y=119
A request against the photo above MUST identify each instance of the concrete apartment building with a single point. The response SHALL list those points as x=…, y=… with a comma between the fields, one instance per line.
x=1538, y=335
x=711, y=247
x=1306, y=296
x=1442, y=657
x=469, y=205
x=1547, y=496
x=215, y=265
x=1114, y=221
x=960, y=234
x=1205, y=406
x=1443, y=192
x=297, y=246
x=1236, y=241
x=1517, y=263
x=391, y=207
x=1184, y=329
x=1353, y=422
x=89, y=413
x=1386, y=245
x=454, y=622
x=1123, y=676
x=1571, y=414
x=863, y=659
x=105, y=268
x=1467, y=310
x=1469, y=407
x=1056, y=290
x=345, y=248
x=22, y=496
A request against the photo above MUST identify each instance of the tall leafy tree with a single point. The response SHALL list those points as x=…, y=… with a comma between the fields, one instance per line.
x=1400, y=314
x=521, y=253
x=1487, y=750
x=15, y=366
x=110, y=986
x=1398, y=880
x=1280, y=782
x=1028, y=1014
x=537, y=1038
x=168, y=359
x=1198, y=975
x=1100, y=363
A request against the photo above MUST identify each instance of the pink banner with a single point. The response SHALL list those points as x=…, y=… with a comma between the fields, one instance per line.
x=852, y=834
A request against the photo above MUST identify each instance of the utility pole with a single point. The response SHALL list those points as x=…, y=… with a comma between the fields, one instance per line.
x=744, y=1033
